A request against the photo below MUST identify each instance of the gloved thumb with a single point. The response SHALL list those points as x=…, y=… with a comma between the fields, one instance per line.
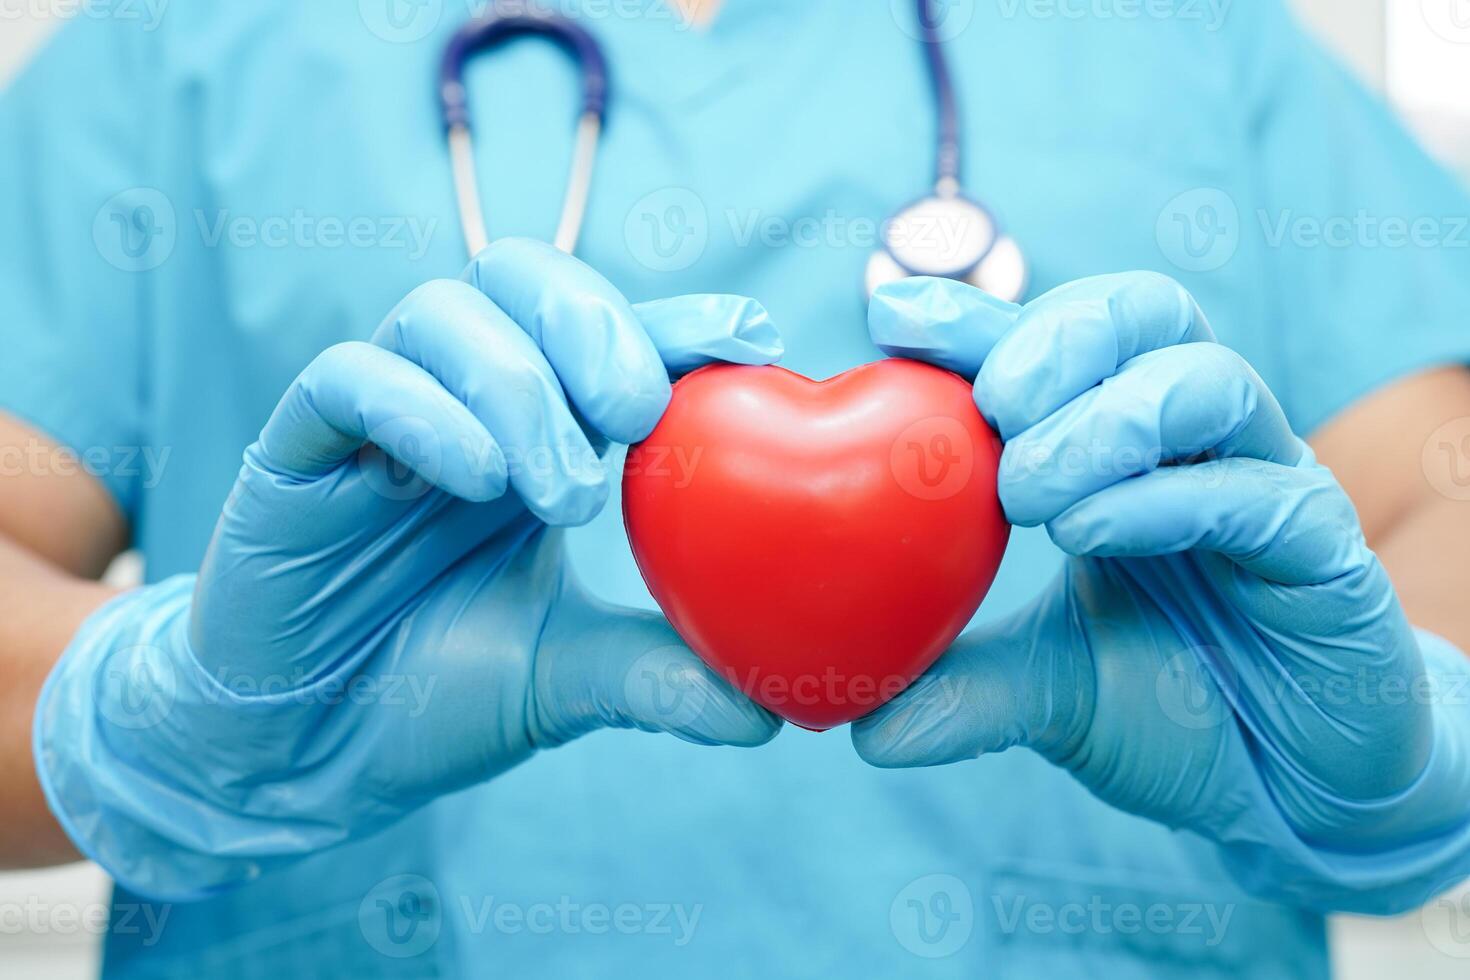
x=941, y=321
x=622, y=668
x=997, y=687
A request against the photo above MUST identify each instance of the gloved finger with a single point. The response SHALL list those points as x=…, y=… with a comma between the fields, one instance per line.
x=1164, y=406
x=589, y=333
x=1288, y=524
x=669, y=689
x=354, y=393
x=692, y=331
x=941, y=321
x=638, y=674
x=1001, y=685
x=463, y=339
x=1070, y=339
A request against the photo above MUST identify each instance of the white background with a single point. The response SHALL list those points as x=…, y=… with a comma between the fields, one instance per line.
x=1393, y=43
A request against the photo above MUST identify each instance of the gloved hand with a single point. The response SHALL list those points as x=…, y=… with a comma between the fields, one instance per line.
x=1222, y=652
x=385, y=614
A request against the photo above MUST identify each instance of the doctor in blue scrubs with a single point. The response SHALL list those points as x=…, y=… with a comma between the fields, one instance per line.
x=394, y=700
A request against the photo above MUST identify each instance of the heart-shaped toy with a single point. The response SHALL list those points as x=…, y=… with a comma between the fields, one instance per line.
x=818, y=544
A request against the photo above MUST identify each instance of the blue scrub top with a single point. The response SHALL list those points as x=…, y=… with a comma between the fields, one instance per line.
x=194, y=206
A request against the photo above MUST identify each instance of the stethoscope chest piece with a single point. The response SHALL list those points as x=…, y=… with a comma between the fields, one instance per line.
x=951, y=237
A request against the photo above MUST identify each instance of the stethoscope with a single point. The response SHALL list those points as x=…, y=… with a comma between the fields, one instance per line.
x=944, y=233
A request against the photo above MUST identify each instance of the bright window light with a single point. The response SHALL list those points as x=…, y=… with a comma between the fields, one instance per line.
x=1429, y=55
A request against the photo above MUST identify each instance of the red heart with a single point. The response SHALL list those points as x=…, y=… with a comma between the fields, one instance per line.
x=819, y=544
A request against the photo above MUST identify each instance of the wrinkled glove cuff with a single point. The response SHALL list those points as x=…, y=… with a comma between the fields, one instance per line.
x=114, y=752
x=1270, y=859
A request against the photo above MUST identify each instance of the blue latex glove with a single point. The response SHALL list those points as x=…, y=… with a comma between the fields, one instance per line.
x=385, y=614
x=1222, y=652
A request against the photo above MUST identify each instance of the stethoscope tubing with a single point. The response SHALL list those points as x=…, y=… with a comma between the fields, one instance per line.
x=492, y=29
x=947, y=175
x=482, y=34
